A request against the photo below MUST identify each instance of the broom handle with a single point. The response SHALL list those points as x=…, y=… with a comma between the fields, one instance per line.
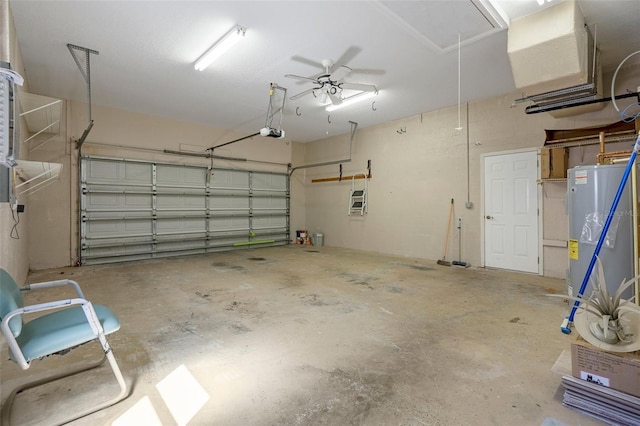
x=460, y=239
x=446, y=241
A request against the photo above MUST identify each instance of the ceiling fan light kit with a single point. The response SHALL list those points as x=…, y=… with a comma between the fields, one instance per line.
x=220, y=47
x=330, y=85
x=352, y=100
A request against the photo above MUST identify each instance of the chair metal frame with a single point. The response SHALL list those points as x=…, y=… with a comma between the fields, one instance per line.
x=97, y=329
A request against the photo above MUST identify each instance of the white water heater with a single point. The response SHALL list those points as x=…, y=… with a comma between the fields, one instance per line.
x=590, y=194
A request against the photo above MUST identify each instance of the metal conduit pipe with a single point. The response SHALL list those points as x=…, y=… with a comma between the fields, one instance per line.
x=553, y=106
x=354, y=127
x=202, y=155
x=190, y=154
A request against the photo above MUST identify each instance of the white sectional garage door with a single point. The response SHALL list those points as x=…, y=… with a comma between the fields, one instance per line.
x=139, y=210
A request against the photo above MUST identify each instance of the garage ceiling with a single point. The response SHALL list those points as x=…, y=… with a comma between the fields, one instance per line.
x=407, y=49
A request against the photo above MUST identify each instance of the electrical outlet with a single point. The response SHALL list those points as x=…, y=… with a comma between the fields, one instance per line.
x=20, y=208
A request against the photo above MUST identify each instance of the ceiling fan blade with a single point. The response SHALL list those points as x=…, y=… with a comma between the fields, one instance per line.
x=339, y=73
x=348, y=55
x=299, y=77
x=301, y=94
x=358, y=86
x=335, y=99
x=307, y=61
x=370, y=71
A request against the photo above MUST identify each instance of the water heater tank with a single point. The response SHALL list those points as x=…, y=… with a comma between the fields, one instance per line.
x=590, y=194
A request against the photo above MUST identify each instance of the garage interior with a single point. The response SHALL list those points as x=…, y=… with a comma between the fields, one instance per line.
x=277, y=252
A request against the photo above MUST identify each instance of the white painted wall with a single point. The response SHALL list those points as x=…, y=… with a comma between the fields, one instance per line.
x=415, y=175
x=48, y=208
x=13, y=251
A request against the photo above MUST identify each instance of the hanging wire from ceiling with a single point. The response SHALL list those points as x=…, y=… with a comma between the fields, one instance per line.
x=459, y=124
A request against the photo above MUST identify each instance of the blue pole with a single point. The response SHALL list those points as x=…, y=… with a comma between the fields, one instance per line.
x=566, y=324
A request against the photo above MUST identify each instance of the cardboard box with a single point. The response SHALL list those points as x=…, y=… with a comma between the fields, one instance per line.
x=620, y=371
x=554, y=163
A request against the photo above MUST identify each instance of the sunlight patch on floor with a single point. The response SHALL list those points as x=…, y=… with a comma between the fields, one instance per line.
x=183, y=394
x=142, y=413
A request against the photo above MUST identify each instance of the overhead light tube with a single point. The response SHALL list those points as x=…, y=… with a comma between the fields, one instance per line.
x=220, y=47
x=351, y=100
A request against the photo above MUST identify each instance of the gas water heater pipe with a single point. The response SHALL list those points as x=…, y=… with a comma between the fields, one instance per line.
x=566, y=324
x=634, y=213
x=354, y=127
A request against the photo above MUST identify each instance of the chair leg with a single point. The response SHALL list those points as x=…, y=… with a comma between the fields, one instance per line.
x=6, y=409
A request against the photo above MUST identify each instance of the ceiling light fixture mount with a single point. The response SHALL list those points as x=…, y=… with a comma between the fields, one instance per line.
x=352, y=100
x=220, y=47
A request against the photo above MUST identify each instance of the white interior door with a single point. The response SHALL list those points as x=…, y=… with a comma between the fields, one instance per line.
x=511, y=211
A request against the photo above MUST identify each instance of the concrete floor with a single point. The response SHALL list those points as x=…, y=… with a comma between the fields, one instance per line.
x=302, y=335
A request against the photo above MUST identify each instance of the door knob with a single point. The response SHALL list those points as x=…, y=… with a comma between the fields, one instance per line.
x=489, y=217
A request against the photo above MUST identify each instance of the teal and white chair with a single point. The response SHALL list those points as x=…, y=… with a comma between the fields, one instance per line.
x=69, y=323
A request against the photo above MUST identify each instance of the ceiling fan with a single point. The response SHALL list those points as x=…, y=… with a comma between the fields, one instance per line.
x=330, y=84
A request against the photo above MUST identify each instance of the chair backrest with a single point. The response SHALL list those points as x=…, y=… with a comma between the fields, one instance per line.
x=10, y=299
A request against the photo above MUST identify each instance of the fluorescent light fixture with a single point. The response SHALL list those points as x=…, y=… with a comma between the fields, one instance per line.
x=221, y=46
x=351, y=100
x=493, y=13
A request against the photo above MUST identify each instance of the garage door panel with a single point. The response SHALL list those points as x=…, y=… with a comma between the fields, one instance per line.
x=226, y=240
x=117, y=201
x=172, y=175
x=113, y=214
x=270, y=203
x=96, y=255
x=137, y=210
x=230, y=203
x=176, y=202
x=109, y=171
x=226, y=223
x=181, y=246
x=268, y=181
x=184, y=224
x=117, y=226
x=269, y=222
x=236, y=179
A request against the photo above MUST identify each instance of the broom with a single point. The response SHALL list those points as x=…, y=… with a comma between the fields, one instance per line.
x=459, y=262
x=446, y=240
